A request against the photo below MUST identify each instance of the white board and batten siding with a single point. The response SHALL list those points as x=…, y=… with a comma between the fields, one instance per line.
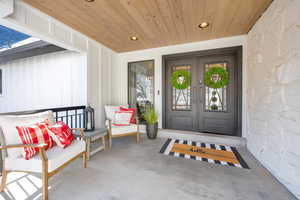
x=46, y=81
x=99, y=58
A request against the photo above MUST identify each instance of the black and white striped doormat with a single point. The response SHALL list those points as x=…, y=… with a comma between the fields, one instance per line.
x=212, y=153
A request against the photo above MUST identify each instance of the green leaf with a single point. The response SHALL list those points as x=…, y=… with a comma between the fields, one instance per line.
x=186, y=79
x=224, y=77
x=150, y=115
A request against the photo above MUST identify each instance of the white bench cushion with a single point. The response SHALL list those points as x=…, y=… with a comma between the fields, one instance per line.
x=8, y=125
x=118, y=130
x=57, y=156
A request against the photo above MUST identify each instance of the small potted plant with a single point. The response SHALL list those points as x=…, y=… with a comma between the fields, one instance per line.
x=151, y=118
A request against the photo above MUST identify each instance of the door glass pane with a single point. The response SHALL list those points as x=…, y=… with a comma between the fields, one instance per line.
x=216, y=99
x=181, y=99
x=141, y=85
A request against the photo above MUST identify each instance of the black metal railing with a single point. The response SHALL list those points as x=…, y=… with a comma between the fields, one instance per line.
x=73, y=116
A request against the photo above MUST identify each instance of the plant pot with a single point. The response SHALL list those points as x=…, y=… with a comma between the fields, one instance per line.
x=152, y=130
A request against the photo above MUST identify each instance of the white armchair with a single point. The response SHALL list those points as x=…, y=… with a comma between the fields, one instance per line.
x=48, y=163
x=119, y=131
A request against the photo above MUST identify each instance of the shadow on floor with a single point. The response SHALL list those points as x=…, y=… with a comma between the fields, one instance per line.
x=21, y=186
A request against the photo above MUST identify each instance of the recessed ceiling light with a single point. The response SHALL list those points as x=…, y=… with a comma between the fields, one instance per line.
x=203, y=25
x=89, y=1
x=134, y=38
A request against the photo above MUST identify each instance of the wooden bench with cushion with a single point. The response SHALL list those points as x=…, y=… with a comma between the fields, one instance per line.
x=48, y=163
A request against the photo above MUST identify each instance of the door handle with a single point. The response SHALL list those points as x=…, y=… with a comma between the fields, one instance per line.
x=201, y=92
x=194, y=95
x=200, y=83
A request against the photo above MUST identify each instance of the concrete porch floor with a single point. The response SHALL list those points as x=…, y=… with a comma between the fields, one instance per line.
x=131, y=171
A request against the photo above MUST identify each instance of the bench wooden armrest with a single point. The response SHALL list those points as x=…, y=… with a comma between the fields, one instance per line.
x=41, y=147
x=82, y=133
x=109, y=124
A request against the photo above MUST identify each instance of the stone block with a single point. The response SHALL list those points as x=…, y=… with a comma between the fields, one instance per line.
x=291, y=115
x=255, y=44
x=292, y=94
x=290, y=41
x=290, y=70
x=292, y=142
x=291, y=15
x=292, y=166
x=277, y=103
x=275, y=10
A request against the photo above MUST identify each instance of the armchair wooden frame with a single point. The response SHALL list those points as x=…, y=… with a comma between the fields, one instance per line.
x=42, y=154
x=111, y=136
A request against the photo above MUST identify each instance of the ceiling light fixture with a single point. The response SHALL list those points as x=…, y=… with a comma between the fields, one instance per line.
x=89, y=1
x=203, y=25
x=134, y=38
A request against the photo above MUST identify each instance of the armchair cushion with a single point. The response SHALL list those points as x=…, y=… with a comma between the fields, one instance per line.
x=111, y=109
x=57, y=156
x=119, y=130
x=9, y=132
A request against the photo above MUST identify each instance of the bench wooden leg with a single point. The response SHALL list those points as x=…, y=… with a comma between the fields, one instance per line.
x=88, y=148
x=45, y=178
x=109, y=141
x=3, y=180
x=137, y=137
x=103, y=142
x=84, y=159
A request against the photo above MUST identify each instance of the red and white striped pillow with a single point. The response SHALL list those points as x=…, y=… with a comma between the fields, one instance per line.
x=34, y=134
x=61, y=134
x=122, y=118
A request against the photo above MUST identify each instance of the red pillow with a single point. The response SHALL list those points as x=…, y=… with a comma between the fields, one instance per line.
x=132, y=110
x=34, y=134
x=61, y=133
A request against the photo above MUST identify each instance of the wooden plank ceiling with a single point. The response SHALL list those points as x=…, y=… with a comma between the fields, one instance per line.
x=156, y=23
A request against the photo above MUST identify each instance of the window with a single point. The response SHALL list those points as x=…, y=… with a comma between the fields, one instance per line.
x=181, y=99
x=141, y=85
x=1, y=82
x=216, y=99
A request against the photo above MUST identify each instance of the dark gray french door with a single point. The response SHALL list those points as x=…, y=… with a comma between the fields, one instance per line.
x=200, y=108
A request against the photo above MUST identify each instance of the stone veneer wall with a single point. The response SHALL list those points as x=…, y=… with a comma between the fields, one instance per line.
x=273, y=92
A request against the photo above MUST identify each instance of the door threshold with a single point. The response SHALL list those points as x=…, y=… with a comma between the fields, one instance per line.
x=203, y=137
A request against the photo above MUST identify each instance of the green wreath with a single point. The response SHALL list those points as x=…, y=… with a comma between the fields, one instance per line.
x=220, y=75
x=181, y=79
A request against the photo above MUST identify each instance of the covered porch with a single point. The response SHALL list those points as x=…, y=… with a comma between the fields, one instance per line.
x=125, y=54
